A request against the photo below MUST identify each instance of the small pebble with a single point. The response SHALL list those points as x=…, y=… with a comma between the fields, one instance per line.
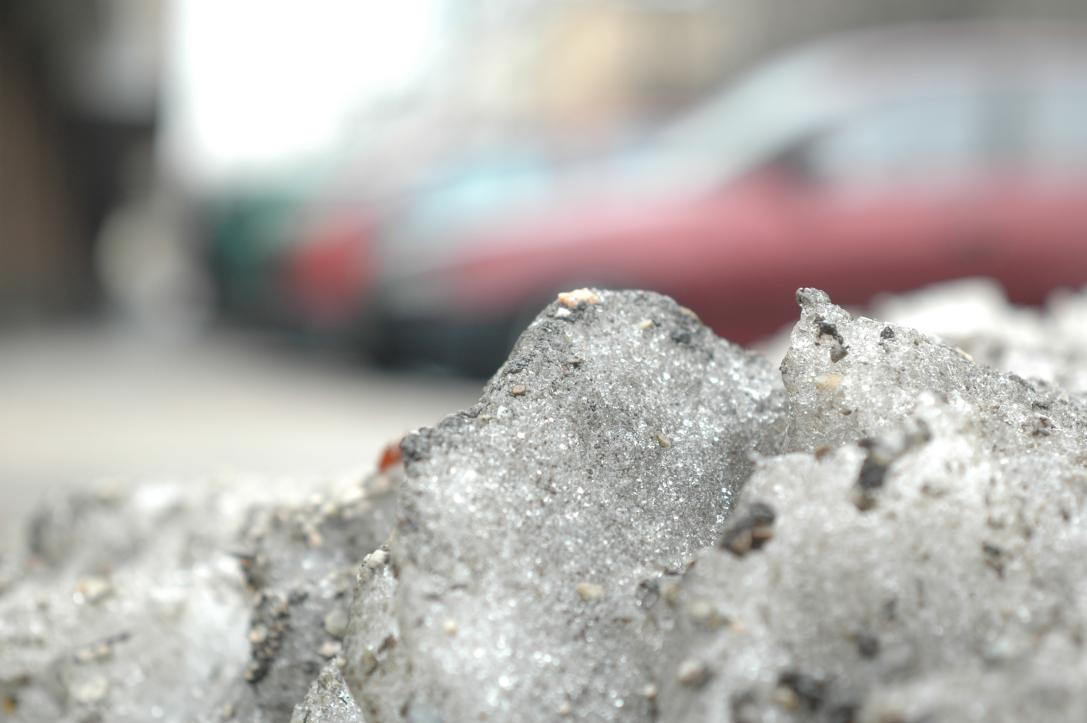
x=693, y=673
x=700, y=611
x=90, y=653
x=804, y=689
x=367, y=662
x=390, y=456
x=92, y=590
x=589, y=591
x=867, y=645
x=689, y=312
x=572, y=299
x=517, y=390
x=750, y=530
x=681, y=336
x=705, y=615
x=786, y=698
x=91, y=691
x=670, y=592
x=336, y=622
x=376, y=559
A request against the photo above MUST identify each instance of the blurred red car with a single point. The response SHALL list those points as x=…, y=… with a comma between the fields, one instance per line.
x=875, y=162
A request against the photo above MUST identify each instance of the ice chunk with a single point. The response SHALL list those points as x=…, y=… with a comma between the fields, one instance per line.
x=1048, y=344
x=534, y=526
x=128, y=607
x=927, y=549
x=328, y=700
x=638, y=521
x=176, y=602
x=300, y=560
x=849, y=378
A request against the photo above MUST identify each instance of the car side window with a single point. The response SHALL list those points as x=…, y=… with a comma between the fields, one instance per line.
x=1055, y=142
x=920, y=142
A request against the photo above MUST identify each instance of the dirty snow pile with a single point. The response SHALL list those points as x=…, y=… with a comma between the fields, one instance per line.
x=638, y=521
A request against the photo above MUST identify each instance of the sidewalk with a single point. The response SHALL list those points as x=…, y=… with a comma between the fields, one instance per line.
x=89, y=404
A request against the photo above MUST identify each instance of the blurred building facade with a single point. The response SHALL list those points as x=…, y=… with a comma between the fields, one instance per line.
x=79, y=86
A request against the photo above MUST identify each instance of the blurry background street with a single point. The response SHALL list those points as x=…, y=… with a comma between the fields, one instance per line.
x=273, y=236
x=91, y=405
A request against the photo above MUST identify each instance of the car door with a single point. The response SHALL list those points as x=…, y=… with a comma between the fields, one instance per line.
x=1040, y=215
x=896, y=197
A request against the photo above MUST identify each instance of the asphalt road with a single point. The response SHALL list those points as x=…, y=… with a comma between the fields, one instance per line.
x=80, y=406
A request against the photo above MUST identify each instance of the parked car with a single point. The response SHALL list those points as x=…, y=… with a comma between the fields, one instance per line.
x=874, y=162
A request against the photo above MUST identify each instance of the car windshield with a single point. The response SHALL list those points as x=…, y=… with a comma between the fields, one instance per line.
x=753, y=120
x=1034, y=131
x=1055, y=137
x=829, y=85
x=929, y=141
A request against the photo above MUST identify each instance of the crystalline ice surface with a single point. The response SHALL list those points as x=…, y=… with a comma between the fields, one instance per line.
x=928, y=546
x=607, y=450
x=638, y=521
